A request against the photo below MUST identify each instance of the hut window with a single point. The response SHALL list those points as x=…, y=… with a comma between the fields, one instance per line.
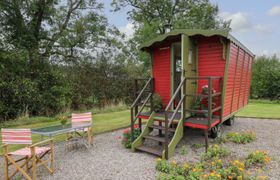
x=190, y=57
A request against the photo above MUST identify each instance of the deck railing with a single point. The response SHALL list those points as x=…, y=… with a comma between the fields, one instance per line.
x=210, y=95
x=134, y=108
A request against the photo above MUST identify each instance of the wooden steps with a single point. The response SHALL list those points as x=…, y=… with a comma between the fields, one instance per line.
x=150, y=150
x=162, y=128
x=155, y=138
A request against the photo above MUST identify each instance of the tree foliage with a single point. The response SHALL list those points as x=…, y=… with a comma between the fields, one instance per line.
x=266, y=78
x=150, y=17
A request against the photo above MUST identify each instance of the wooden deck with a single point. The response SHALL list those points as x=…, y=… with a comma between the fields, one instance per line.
x=194, y=122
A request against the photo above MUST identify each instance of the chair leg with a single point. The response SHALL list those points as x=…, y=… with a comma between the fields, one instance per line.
x=26, y=165
x=6, y=168
x=52, y=157
x=34, y=162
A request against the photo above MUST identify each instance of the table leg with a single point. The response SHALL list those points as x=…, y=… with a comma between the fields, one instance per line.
x=90, y=136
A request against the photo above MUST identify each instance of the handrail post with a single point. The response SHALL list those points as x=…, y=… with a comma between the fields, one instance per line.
x=209, y=101
x=183, y=94
x=152, y=91
x=131, y=124
x=166, y=135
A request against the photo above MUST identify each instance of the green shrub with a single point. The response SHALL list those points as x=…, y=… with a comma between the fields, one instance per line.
x=260, y=158
x=241, y=138
x=197, y=146
x=215, y=152
x=157, y=102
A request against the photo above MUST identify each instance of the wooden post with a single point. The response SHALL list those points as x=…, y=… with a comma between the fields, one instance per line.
x=209, y=101
x=166, y=135
x=33, y=157
x=206, y=139
x=5, y=149
x=52, y=156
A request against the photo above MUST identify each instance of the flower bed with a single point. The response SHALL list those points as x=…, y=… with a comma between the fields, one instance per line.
x=126, y=140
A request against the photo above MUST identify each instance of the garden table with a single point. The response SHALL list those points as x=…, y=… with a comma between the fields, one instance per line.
x=61, y=129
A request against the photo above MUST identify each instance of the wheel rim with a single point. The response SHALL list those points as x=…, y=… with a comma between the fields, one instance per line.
x=217, y=130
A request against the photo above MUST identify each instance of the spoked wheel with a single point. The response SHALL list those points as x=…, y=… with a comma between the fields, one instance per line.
x=230, y=121
x=216, y=131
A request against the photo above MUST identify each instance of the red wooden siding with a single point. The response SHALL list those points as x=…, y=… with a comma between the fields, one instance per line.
x=238, y=77
x=238, y=82
x=161, y=73
x=210, y=61
x=248, y=81
x=242, y=81
x=230, y=79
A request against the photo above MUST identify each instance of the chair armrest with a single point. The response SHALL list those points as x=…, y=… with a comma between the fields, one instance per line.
x=41, y=142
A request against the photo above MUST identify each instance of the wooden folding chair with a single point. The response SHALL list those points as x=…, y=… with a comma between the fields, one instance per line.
x=78, y=120
x=32, y=155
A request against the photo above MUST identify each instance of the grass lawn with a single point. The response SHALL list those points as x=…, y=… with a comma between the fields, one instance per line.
x=102, y=122
x=261, y=109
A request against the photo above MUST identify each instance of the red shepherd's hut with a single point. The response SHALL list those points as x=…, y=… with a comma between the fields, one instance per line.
x=203, y=78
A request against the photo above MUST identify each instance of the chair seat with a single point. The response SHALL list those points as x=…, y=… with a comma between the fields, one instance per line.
x=79, y=130
x=27, y=151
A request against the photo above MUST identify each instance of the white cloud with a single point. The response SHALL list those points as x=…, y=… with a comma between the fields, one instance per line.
x=274, y=11
x=128, y=29
x=263, y=29
x=240, y=21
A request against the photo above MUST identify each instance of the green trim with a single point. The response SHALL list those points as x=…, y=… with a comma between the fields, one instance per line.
x=139, y=141
x=225, y=78
x=192, y=32
x=179, y=133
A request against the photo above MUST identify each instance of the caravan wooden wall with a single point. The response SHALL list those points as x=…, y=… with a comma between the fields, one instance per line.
x=238, y=80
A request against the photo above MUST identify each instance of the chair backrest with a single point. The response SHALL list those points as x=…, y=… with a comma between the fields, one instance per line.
x=16, y=136
x=81, y=118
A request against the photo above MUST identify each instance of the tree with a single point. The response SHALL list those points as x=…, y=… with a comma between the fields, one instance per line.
x=266, y=78
x=150, y=16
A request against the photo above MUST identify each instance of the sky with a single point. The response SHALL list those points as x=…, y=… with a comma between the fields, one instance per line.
x=255, y=23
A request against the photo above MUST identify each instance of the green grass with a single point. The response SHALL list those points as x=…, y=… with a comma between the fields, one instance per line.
x=261, y=109
x=102, y=122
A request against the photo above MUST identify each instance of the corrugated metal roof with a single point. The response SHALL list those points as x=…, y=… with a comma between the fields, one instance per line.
x=192, y=32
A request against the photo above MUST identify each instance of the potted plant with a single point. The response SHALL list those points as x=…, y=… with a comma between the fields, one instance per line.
x=157, y=102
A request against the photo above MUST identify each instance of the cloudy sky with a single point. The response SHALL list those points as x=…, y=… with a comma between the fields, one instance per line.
x=256, y=23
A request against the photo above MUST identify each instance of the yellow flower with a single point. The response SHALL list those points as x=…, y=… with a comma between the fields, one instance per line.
x=239, y=177
x=212, y=174
x=186, y=165
x=174, y=163
x=158, y=159
x=262, y=177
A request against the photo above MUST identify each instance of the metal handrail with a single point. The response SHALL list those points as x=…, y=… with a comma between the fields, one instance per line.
x=141, y=93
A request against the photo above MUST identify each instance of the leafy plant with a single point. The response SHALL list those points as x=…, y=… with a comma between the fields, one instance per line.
x=184, y=150
x=215, y=152
x=241, y=138
x=62, y=119
x=197, y=146
x=157, y=102
x=126, y=141
x=258, y=158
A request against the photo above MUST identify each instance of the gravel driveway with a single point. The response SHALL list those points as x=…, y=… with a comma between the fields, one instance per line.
x=107, y=159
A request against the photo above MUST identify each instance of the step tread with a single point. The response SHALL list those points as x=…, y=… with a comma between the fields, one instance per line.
x=149, y=150
x=155, y=138
x=162, y=128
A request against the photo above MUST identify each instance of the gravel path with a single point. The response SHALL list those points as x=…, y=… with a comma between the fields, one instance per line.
x=107, y=159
